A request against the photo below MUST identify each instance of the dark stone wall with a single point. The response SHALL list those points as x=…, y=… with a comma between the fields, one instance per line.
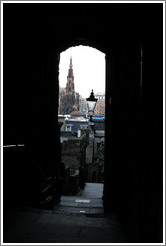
x=34, y=36
x=124, y=158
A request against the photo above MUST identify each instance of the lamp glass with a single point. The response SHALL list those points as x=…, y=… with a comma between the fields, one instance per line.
x=91, y=107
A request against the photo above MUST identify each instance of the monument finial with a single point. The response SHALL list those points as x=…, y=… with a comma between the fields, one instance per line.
x=71, y=65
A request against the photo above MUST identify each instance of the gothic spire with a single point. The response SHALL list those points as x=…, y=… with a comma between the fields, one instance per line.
x=71, y=65
x=70, y=71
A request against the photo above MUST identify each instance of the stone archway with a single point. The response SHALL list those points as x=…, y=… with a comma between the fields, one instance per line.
x=88, y=170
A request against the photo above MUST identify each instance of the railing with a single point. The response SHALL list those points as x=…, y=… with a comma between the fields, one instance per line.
x=13, y=145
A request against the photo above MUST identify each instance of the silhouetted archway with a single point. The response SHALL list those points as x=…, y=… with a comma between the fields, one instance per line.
x=93, y=157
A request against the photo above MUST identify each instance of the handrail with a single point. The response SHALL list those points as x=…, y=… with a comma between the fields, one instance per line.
x=13, y=145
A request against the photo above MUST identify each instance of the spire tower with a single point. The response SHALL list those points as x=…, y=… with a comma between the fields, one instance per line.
x=70, y=100
x=70, y=80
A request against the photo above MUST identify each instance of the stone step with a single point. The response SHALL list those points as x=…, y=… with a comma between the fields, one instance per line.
x=73, y=201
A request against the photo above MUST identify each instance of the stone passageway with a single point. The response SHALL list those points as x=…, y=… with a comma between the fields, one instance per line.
x=78, y=219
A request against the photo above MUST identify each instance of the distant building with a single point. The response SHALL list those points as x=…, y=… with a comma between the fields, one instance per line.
x=100, y=105
x=82, y=104
x=100, y=96
x=68, y=98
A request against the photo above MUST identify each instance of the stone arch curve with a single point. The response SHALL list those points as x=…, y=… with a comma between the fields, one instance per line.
x=85, y=42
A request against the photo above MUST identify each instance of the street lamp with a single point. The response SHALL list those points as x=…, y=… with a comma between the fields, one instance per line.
x=91, y=103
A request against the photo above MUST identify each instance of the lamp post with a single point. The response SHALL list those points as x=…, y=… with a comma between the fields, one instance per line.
x=91, y=103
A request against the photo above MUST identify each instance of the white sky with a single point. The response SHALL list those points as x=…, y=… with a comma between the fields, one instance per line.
x=88, y=69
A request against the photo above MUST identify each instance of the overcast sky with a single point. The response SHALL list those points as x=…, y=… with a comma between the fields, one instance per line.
x=88, y=69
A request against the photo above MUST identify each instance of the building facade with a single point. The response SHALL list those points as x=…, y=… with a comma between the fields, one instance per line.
x=100, y=105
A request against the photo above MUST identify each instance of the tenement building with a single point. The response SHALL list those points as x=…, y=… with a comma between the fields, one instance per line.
x=68, y=98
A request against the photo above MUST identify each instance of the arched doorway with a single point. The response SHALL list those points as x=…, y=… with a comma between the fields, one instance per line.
x=81, y=69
